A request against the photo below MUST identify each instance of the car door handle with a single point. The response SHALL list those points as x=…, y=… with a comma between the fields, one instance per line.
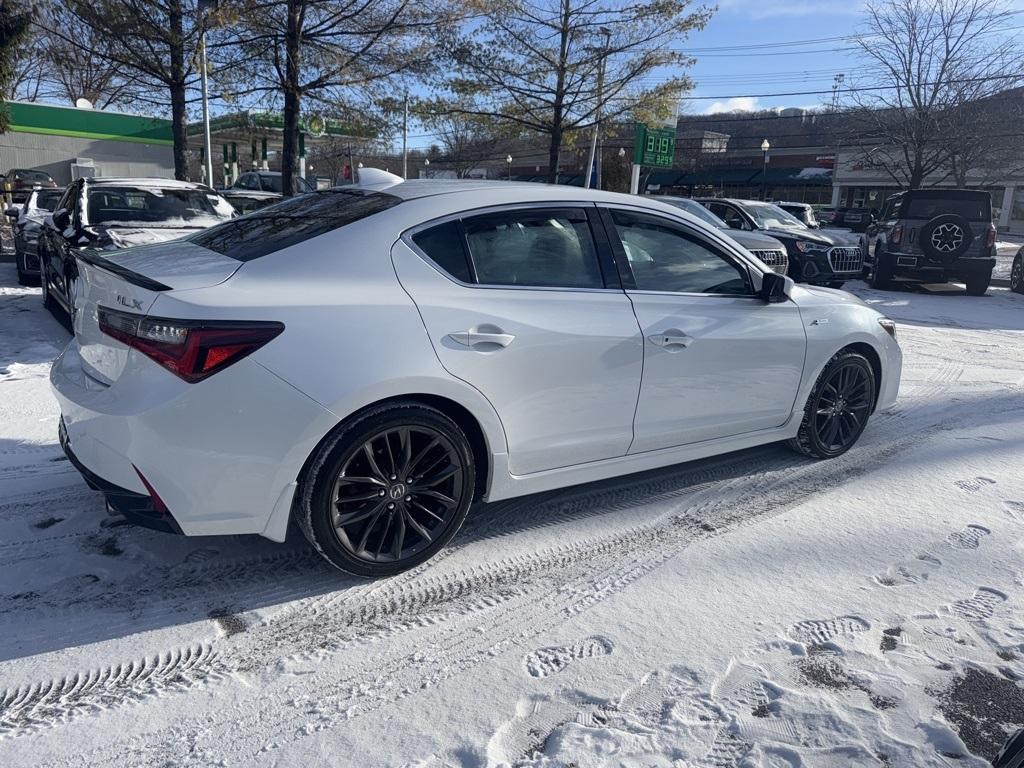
x=672, y=338
x=480, y=338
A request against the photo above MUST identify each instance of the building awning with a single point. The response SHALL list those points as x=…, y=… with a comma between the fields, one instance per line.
x=795, y=177
x=716, y=177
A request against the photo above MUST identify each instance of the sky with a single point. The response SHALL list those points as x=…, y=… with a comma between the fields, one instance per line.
x=739, y=75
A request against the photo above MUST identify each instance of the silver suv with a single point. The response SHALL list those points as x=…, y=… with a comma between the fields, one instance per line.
x=932, y=236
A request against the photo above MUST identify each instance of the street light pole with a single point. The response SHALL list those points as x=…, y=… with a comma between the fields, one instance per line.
x=405, y=137
x=204, y=7
x=765, y=146
x=597, y=117
x=508, y=162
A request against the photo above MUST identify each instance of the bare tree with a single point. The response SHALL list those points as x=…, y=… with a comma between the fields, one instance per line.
x=15, y=22
x=534, y=64
x=339, y=54
x=148, y=43
x=464, y=141
x=928, y=64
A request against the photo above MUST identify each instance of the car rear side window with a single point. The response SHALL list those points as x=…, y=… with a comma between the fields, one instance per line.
x=547, y=248
x=444, y=246
x=971, y=208
x=292, y=221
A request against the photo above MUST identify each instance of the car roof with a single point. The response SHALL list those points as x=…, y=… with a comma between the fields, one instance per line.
x=786, y=202
x=520, y=190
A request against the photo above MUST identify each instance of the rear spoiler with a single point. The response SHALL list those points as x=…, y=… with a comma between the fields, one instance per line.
x=93, y=259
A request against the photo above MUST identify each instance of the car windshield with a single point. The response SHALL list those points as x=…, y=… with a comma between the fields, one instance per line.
x=46, y=200
x=272, y=183
x=32, y=176
x=768, y=216
x=971, y=208
x=156, y=207
x=698, y=210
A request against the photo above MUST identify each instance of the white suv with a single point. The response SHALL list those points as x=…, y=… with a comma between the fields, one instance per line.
x=372, y=362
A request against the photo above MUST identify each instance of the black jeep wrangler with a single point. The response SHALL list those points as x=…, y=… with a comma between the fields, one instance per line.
x=932, y=236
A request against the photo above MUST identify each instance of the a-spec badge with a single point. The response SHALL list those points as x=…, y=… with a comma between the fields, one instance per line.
x=130, y=303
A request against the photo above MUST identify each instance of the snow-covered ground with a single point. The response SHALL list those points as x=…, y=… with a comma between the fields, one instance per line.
x=759, y=609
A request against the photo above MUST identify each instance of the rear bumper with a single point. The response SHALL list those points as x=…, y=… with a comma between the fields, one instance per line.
x=221, y=454
x=137, y=508
x=914, y=266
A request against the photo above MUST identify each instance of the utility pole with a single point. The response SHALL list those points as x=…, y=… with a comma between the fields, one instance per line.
x=204, y=7
x=405, y=136
x=597, y=117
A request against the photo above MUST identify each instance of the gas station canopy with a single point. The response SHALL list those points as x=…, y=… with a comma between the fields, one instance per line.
x=262, y=132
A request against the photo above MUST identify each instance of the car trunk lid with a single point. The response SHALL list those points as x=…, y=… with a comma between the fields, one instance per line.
x=130, y=281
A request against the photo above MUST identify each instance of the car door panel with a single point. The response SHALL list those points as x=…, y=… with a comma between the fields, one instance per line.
x=715, y=365
x=561, y=367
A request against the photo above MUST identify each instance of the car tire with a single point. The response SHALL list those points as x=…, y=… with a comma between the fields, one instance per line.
x=23, y=279
x=353, y=495
x=880, y=277
x=829, y=428
x=977, y=284
x=1017, y=274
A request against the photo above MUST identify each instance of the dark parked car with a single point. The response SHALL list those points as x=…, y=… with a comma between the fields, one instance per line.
x=802, y=211
x=249, y=200
x=770, y=251
x=816, y=256
x=106, y=214
x=18, y=182
x=26, y=224
x=854, y=219
x=270, y=181
x=933, y=236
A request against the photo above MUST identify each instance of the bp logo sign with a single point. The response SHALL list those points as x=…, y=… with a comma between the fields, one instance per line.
x=316, y=125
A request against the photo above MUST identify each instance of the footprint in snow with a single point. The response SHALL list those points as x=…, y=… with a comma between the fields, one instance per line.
x=821, y=631
x=909, y=572
x=969, y=538
x=974, y=484
x=979, y=606
x=549, y=661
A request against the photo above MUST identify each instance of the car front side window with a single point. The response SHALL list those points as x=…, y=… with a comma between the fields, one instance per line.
x=662, y=257
x=541, y=248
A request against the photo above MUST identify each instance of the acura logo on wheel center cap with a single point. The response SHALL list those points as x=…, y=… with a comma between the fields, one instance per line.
x=396, y=491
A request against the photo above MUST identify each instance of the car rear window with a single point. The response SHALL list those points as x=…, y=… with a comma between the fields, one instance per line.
x=31, y=176
x=292, y=221
x=971, y=208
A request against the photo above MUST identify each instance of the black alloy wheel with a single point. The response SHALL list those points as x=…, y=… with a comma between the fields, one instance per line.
x=396, y=493
x=838, y=409
x=390, y=490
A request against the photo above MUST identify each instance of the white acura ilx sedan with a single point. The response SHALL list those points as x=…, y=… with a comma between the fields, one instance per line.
x=371, y=362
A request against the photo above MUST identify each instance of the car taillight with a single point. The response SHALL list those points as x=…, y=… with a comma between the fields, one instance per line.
x=190, y=349
x=990, y=237
x=897, y=234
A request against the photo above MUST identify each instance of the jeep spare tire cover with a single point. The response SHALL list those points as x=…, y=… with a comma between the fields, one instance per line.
x=945, y=238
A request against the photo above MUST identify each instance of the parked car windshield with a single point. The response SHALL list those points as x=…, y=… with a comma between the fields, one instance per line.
x=46, y=199
x=770, y=216
x=153, y=207
x=971, y=208
x=698, y=210
x=291, y=222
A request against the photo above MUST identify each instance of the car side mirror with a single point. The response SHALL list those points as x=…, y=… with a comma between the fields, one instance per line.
x=11, y=212
x=774, y=287
x=61, y=219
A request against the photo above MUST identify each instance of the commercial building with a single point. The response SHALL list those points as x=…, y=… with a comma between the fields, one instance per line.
x=69, y=143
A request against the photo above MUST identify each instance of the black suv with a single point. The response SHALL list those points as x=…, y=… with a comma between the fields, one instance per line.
x=932, y=236
x=817, y=256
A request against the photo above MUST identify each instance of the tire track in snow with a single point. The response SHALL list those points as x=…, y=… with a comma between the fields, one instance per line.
x=524, y=596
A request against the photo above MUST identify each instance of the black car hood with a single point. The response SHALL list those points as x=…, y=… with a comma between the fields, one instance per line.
x=812, y=235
